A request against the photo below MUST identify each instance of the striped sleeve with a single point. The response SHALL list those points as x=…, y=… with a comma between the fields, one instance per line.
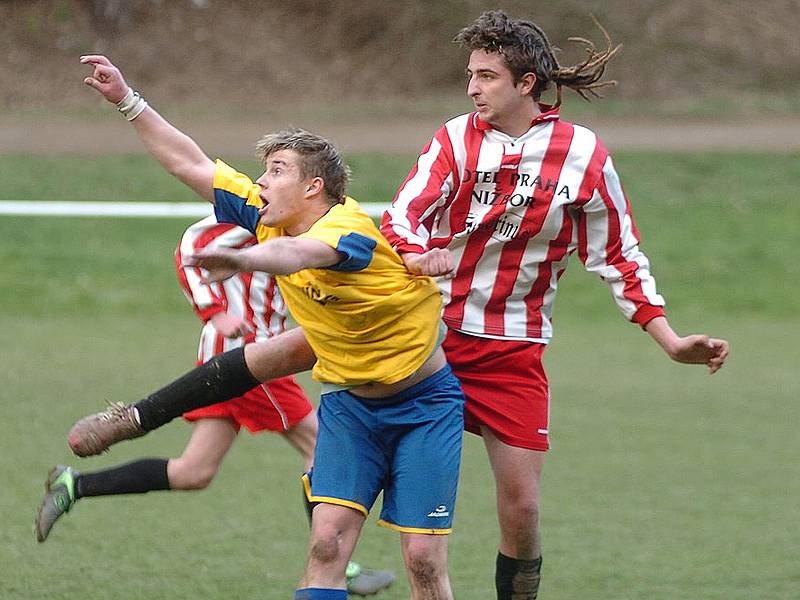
x=608, y=245
x=206, y=300
x=425, y=190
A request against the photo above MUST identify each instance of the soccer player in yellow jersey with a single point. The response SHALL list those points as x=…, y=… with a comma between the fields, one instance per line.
x=367, y=319
x=391, y=412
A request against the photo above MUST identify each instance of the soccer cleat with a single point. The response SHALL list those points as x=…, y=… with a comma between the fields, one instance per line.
x=95, y=433
x=365, y=582
x=58, y=499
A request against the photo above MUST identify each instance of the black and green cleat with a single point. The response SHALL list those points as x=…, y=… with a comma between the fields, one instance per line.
x=58, y=499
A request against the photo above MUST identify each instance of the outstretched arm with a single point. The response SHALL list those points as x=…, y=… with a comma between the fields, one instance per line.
x=692, y=349
x=178, y=153
x=279, y=256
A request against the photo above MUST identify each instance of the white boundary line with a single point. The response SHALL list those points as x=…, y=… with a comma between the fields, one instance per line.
x=128, y=209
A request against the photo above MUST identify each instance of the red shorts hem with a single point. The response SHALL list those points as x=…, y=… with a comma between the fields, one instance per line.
x=508, y=439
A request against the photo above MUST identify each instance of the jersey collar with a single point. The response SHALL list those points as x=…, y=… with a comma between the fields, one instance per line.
x=548, y=113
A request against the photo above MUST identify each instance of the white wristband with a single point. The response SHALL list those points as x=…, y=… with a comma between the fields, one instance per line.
x=132, y=105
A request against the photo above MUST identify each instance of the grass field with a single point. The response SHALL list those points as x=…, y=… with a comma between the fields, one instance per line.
x=662, y=482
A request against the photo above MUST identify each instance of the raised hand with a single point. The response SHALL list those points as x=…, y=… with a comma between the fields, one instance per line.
x=106, y=78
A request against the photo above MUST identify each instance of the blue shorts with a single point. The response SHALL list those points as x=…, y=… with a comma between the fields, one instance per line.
x=408, y=445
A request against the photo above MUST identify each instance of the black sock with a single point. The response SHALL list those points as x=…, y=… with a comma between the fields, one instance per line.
x=133, y=478
x=223, y=377
x=517, y=579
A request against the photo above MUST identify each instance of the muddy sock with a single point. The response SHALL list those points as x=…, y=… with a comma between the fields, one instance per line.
x=517, y=579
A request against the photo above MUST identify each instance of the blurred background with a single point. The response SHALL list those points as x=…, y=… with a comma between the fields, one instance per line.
x=348, y=68
x=342, y=50
x=662, y=482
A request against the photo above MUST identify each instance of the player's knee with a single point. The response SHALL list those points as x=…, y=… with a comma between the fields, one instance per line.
x=202, y=478
x=526, y=510
x=520, y=510
x=324, y=547
x=191, y=476
x=520, y=501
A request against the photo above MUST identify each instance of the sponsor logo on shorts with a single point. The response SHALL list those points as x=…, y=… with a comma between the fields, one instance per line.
x=439, y=511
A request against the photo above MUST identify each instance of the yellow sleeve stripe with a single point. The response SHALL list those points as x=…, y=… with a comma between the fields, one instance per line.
x=422, y=530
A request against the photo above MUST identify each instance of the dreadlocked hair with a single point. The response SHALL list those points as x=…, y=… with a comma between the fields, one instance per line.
x=526, y=49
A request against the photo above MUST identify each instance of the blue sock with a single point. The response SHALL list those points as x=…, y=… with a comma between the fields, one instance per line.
x=320, y=594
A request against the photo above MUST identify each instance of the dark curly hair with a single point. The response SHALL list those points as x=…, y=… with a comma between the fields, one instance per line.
x=526, y=49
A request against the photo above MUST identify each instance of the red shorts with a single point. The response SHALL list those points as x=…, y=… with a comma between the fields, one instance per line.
x=505, y=387
x=277, y=405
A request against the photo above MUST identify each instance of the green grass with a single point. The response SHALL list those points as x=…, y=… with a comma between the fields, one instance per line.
x=662, y=478
x=662, y=482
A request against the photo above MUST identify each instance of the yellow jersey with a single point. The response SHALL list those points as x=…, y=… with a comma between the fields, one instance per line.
x=366, y=318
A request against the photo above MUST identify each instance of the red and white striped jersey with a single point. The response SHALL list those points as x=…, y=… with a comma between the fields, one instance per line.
x=252, y=296
x=511, y=211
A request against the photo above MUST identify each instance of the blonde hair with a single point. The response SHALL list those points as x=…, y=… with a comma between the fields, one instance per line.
x=318, y=158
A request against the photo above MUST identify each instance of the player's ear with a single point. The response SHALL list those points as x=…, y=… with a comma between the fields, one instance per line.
x=315, y=186
x=526, y=83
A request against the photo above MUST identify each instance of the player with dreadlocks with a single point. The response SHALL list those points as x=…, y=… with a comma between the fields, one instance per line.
x=497, y=202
